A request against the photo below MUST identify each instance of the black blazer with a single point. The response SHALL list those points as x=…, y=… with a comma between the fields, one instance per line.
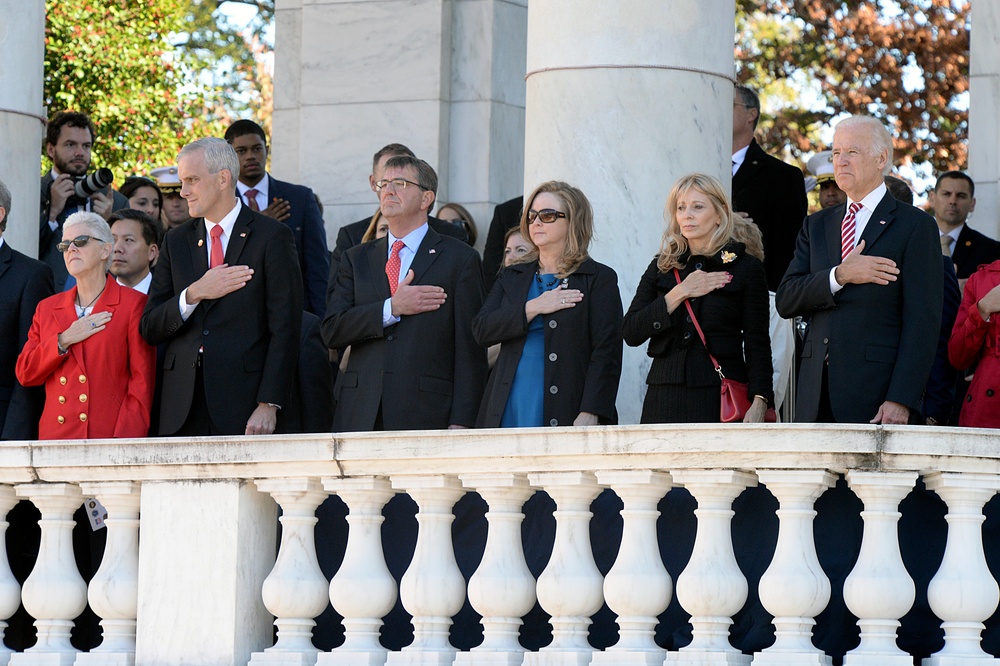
x=505, y=216
x=306, y=224
x=424, y=372
x=734, y=319
x=973, y=250
x=351, y=234
x=250, y=337
x=879, y=340
x=583, y=345
x=774, y=195
x=24, y=283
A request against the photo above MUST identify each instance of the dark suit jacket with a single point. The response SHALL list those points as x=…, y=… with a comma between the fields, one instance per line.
x=583, y=345
x=310, y=402
x=939, y=396
x=48, y=239
x=351, y=234
x=734, y=320
x=774, y=195
x=250, y=337
x=973, y=250
x=880, y=339
x=424, y=372
x=306, y=224
x=505, y=216
x=24, y=283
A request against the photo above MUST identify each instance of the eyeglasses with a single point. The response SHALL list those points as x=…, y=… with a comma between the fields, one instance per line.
x=79, y=241
x=397, y=184
x=547, y=216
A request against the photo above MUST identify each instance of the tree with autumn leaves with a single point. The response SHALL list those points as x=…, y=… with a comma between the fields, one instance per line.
x=128, y=64
x=822, y=58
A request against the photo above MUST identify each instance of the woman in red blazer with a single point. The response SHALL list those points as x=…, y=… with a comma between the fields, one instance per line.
x=84, y=346
x=976, y=339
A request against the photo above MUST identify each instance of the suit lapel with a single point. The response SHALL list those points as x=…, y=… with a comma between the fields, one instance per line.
x=196, y=243
x=832, y=233
x=428, y=251
x=65, y=314
x=241, y=232
x=751, y=164
x=6, y=256
x=962, y=245
x=378, y=253
x=879, y=221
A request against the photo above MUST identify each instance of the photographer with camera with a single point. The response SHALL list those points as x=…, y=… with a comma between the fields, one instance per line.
x=68, y=188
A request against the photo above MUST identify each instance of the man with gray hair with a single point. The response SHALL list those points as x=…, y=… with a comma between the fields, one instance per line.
x=868, y=274
x=24, y=283
x=226, y=300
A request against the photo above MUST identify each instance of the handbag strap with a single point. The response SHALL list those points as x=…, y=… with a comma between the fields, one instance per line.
x=697, y=327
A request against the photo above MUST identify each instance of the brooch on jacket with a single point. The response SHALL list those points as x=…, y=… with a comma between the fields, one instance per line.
x=728, y=257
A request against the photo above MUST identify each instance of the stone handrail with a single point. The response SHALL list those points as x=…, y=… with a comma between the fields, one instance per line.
x=204, y=586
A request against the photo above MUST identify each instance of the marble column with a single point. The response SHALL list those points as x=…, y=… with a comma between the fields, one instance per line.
x=443, y=77
x=984, y=109
x=22, y=116
x=621, y=104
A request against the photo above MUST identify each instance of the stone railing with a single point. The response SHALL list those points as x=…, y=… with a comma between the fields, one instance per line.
x=190, y=576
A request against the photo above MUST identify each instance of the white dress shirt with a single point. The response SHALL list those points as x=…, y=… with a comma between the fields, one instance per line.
x=227, y=223
x=262, y=193
x=142, y=286
x=861, y=219
x=738, y=158
x=411, y=242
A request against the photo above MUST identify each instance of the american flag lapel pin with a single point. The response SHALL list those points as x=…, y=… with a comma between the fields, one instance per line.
x=433, y=251
x=881, y=221
x=244, y=234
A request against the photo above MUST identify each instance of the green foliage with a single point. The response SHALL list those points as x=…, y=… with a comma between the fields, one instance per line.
x=132, y=65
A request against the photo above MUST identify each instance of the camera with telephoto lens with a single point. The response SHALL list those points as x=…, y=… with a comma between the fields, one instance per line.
x=94, y=182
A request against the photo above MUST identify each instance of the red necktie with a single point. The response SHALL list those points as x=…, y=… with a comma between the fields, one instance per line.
x=251, y=196
x=847, y=230
x=392, y=267
x=216, y=256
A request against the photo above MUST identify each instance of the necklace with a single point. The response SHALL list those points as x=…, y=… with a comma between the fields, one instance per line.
x=90, y=304
x=550, y=280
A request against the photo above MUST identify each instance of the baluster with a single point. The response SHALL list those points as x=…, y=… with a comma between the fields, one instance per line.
x=114, y=589
x=432, y=589
x=295, y=591
x=54, y=593
x=878, y=590
x=10, y=590
x=794, y=588
x=963, y=592
x=363, y=591
x=712, y=588
x=502, y=590
x=638, y=586
x=570, y=588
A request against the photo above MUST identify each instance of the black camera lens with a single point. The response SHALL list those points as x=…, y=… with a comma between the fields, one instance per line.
x=94, y=182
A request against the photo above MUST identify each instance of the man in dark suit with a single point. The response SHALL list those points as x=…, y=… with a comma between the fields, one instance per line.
x=69, y=138
x=505, y=217
x=768, y=191
x=953, y=200
x=295, y=205
x=404, y=304
x=24, y=283
x=227, y=299
x=351, y=234
x=869, y=275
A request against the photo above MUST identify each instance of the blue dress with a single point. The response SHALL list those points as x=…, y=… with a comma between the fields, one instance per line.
x=527, y=392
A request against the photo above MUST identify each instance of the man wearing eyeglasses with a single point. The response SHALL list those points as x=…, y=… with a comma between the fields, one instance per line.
x=404, y=304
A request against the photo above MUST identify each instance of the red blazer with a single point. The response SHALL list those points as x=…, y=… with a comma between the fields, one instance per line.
x=973, y=339
x=104, y=386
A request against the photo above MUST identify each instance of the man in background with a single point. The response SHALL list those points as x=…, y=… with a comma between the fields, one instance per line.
x=174, y=206
x=136, y=246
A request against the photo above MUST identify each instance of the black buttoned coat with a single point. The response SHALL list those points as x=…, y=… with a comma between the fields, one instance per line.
x=734, y=319
x=583, y=345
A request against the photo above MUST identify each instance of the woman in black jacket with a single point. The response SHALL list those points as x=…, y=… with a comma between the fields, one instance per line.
x=557, y=315
x=727, y=289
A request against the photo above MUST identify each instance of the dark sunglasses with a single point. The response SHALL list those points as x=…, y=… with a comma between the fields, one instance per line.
x=79, y=241
x=547, y=216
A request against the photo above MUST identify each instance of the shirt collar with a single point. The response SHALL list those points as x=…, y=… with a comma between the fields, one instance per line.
x=872, y=199
x=411, y=240
x=741, y=154
x=1, y=241
x=261, y=187
x=142, y=285
x=227, y=223
x=954, y=233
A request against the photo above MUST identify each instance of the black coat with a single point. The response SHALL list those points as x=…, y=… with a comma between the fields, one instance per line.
x=774, y=195
x=973, y=250
x=583, y=345
x=734, y=319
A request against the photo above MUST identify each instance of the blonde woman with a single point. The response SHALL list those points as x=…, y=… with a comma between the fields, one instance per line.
x=557, y=315
x=727, y=289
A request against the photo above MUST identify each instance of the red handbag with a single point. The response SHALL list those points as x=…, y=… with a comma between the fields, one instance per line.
x=734, y=396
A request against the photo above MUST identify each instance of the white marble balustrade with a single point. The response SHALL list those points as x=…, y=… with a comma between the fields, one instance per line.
x=231, y=576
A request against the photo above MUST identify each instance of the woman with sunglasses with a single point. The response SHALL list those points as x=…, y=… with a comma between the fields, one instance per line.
x=84, y=345
x=703, y=262
x=557, y=315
